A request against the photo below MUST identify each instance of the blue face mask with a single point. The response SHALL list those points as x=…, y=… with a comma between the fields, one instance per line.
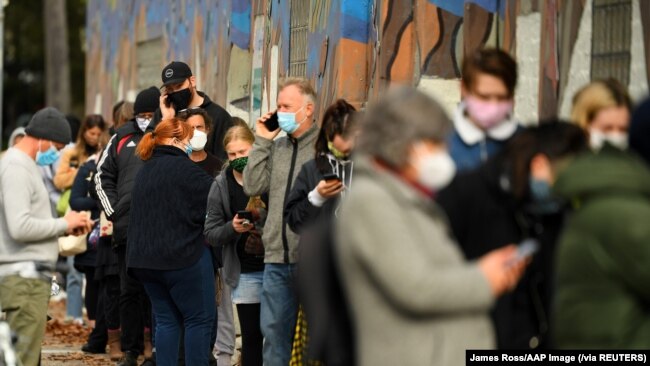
x=48, y=157
x=188, y=149
x=287, y=121
x=544, y=200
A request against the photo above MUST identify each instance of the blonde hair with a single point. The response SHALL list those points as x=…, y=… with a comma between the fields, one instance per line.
x=596, y=96
x=238, y=132
x=303, y=85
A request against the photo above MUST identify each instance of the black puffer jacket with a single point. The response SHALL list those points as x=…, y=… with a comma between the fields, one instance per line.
x=484, y=215
x=116, y=172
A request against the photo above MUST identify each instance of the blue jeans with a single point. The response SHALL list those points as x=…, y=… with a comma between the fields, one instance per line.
x=73, y=281
x=278, y=313
x=183, y=297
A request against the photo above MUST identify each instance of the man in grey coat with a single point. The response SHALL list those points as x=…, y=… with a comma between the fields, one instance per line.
x=28, y=230
x=272, y=168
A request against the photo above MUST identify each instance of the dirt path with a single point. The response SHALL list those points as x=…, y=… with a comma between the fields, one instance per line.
x=62, y=342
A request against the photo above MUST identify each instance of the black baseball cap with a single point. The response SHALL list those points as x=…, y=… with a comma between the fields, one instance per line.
x=176, y=72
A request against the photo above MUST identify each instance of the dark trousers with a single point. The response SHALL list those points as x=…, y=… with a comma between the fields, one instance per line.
x=108, y=311
x=251, y=334
x=135, y=308
x=109, y=297
x=182, y=298
x=91, y=299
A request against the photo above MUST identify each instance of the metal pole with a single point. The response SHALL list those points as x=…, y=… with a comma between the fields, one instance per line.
x=2, y=64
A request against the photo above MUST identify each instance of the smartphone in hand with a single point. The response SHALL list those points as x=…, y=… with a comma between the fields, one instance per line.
x=272, y=123
x=526, y=249
x=331, y=176
x=246, y=215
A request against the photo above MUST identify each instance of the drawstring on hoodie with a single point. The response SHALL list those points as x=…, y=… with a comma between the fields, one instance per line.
x=339, y=168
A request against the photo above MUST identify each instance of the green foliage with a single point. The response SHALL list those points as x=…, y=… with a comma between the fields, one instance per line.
x=24, y=58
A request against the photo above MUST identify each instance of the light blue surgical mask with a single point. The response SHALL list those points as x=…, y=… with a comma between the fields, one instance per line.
x=49, y=157
x=287, y=121
x=545, y=202
x=188, y=149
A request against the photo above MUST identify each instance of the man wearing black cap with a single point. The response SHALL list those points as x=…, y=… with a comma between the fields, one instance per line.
x=179, y=93
x=116, y=173
x=28, y=230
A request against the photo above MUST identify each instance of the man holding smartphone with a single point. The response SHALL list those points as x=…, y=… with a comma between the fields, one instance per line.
x=272, y=168
x=179, y=93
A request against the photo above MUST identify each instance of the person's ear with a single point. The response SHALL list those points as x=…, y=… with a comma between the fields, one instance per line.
x=540, y=168
x=309, y=109
x=192, y=81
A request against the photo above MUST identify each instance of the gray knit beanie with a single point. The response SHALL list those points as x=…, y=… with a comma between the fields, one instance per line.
x=49, y=124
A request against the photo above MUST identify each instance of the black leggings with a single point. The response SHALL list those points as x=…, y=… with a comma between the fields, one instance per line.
x=249, y=322
x=92, y=293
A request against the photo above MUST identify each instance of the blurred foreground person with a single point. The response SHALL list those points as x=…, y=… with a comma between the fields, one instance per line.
x=602, y=108
x=28, y=231
x=640, y=130
x=508, y=200
x=414, y=299
x=603, y=295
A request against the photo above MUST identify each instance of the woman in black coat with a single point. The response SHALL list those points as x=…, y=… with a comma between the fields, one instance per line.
x=166, y=249
x=80, y=200
x=505, y=201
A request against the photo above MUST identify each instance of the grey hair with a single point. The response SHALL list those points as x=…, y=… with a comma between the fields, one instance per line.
x=396, y=121
x=303, y=85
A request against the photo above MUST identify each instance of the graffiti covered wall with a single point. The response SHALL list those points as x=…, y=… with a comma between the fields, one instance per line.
x=240, y=49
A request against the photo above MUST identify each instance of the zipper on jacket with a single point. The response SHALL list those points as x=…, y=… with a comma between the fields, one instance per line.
x=294, y=156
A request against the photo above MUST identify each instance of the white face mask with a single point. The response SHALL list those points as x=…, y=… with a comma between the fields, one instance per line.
x=143, y=123
x=198, y=140
x=597, y=139
x=435, y=170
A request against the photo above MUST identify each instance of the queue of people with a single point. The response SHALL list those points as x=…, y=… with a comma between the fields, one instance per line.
x=393, y=235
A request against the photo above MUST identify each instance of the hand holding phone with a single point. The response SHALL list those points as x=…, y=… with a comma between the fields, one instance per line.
x=330, y=186
x=267, y=126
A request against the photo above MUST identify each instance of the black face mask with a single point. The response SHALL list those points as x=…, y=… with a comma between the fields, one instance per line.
x=180, y=99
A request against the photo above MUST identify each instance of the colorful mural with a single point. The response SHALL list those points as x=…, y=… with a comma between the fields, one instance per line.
x=240, y=49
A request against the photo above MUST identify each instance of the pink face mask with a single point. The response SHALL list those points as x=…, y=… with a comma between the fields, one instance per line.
x=487, y=114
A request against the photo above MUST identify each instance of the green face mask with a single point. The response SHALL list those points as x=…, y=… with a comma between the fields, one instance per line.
x=239, y=164
x=337, y=154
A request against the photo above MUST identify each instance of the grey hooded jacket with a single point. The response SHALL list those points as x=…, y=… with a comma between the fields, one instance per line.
x=273, y=167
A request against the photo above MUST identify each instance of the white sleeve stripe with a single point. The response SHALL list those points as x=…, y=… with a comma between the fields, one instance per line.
x=108, y=209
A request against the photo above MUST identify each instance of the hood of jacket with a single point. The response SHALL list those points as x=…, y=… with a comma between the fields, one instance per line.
x=610, y=171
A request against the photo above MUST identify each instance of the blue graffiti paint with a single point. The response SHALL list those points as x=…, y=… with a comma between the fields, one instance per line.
x=355, y=19
x=457, y=7
x=240, y=24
